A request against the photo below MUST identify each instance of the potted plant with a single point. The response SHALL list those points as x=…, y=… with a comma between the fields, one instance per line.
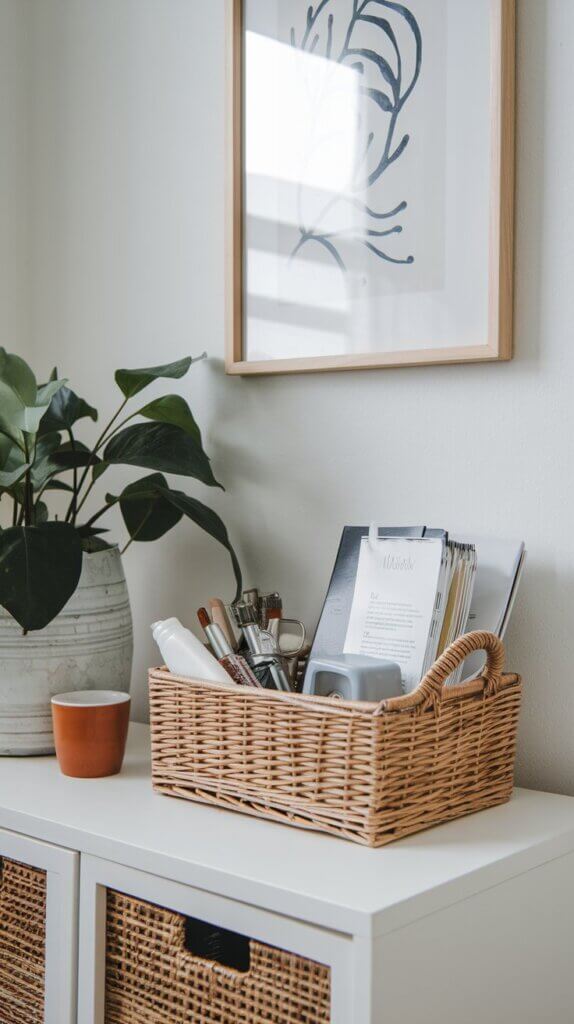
x=65, y=620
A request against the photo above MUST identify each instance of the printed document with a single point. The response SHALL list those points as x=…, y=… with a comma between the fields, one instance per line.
x=393, y=602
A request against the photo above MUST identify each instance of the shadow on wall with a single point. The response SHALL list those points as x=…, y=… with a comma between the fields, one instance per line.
x=542, y=619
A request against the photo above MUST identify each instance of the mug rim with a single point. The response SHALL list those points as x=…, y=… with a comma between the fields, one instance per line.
x=90, y=699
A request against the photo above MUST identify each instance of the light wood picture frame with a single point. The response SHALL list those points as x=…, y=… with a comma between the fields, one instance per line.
x=495, y=260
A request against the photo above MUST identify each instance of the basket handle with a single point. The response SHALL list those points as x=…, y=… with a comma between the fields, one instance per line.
x=430, y=690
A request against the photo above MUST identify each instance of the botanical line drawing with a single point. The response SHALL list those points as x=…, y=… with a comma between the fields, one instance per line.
x=390, y=97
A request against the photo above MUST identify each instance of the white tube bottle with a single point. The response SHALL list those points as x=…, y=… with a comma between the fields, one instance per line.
x=185, y=655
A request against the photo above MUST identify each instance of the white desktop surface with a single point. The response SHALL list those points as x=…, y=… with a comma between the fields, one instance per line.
x=294, y=872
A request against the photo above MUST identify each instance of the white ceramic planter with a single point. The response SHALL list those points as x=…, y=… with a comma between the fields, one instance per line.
x=88, y=646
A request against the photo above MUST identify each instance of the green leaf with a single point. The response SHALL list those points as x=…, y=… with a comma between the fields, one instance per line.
x=49, y=458
x=65, y=409
x=46, y=392
x=209, y=521
x=40, y=512
x=43, y=399
x=13, y=471
x=59, y=485
x=40, y=568
x=6, y=446
x=85, y=532
x=175, y=410
x=161, y=447
x=145, y=510
x=133, y=381
x=13, y=464
x=74, y=456
x=14, y=435
x=16, y=375
x=98, y=469
x=18, y=492
x=43, y=466
x=17, y=392
x=150, y=508
x=22, y=403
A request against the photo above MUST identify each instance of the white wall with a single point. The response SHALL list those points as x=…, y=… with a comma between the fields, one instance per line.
x=128, y=269
x=14, y=182
x=14, y=279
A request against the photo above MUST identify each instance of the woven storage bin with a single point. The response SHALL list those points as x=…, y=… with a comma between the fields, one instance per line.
x=151, y=978
x=369, y=772
x=22, y=943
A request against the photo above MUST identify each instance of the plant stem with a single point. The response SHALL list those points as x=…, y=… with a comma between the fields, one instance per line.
x=15, y=512
x=71, y=513
x=135, y=533
x=93, y=519
x=120, y=425
x=29, y=501
x=101, y=439
x=28, y=507
x=86, y=495
x=103, y=435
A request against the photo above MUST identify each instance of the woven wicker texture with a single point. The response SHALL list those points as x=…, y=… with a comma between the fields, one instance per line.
x=151, y=978
x=369, y=772
x=22, y=943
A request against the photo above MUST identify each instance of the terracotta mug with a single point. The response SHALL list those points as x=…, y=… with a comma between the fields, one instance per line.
x=90, y=729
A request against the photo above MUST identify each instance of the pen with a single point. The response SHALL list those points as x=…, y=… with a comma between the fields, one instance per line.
x=264, y=662
x=260, y=658
x=220, y=618
x=233, y=663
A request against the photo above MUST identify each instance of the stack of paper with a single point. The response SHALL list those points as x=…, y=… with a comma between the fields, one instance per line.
x=394, y=602
x=500, y=566
x=453, y=600
x=406, y=593
x=410, y=596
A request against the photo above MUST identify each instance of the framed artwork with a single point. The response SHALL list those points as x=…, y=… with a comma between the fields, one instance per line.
x=371, y=185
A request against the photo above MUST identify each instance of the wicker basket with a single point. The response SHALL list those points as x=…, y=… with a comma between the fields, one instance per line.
x=371, y=773
x=22, y=943
x=151, y=976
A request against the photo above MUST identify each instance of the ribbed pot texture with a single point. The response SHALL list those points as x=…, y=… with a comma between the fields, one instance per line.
x=89, y=646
